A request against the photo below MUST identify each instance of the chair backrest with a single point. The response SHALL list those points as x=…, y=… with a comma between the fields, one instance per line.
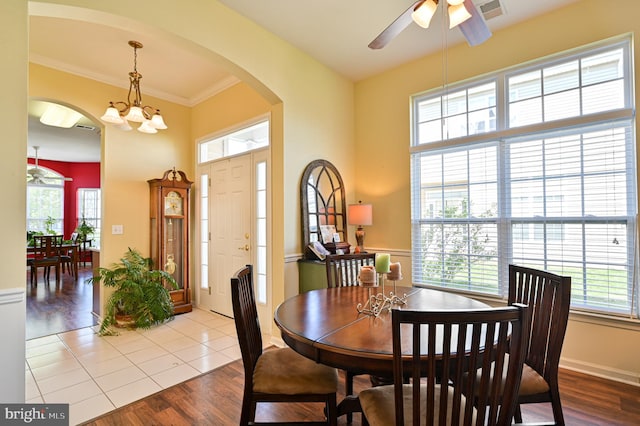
x=46, y=246
x=343, y=269
x=440, y=352
x=246, y=318
x=549, y=296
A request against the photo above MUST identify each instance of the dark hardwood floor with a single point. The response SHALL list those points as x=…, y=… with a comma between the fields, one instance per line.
x=215, y=398
x=58, y=308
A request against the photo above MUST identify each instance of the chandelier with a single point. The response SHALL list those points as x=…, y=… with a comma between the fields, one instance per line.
x=121, y=112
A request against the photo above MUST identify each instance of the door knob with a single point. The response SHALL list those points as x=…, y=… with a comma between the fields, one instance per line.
x=245, y=248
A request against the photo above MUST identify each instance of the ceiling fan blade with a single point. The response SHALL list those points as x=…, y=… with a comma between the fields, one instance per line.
x=395, y=28
x=474, y=29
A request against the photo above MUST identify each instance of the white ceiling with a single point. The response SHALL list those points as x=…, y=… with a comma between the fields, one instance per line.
x=335, y=32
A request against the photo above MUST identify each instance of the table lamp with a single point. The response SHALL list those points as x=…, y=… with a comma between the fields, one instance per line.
x=360, y=215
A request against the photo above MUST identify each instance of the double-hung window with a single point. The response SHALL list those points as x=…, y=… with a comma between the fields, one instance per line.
x=536, y=166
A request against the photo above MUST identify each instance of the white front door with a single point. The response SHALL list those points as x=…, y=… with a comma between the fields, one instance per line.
x=230, y=245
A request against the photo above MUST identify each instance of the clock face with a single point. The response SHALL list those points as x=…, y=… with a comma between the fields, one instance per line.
x=173, y=204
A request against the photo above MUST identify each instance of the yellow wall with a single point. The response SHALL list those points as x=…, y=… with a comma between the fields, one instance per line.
x=226, y=109
x=382, y=109
x=13, y=120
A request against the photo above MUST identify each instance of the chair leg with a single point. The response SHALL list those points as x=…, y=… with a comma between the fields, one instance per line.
x=248, y=414
x=518, y=414
x=556, y=406
x=332, y=410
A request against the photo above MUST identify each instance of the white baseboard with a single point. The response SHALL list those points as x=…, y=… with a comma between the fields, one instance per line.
x=604, y=372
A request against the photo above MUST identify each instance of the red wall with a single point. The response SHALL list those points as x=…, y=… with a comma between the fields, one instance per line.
x=85, y=175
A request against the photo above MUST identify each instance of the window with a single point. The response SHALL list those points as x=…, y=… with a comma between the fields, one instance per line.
x=89, y=210
x=247, y=139
x=45, y=203
x=541, y=173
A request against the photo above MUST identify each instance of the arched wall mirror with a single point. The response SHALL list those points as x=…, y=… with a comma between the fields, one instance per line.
x=324, y=211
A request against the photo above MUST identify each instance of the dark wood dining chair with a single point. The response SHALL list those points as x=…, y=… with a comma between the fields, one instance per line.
x=68, y=258
x=279, y=375
x=46, y=254
x=437, y=349
x=343, y=271
x=549, y=296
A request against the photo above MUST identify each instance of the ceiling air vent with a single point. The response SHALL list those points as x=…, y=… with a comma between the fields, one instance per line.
x=491, y=9
x=82, y=126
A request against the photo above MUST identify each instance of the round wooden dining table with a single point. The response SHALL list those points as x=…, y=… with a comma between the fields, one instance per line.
x=325, y=325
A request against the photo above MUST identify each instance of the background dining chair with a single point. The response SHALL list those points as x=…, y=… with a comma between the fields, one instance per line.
x=343, y=271
x=279, y=375
x=46, y=254
x=549, y=296
x=67, y=257
x=436, y=349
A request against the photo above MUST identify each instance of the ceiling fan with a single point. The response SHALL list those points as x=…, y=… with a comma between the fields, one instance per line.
x=38, y=176
x=462, y=13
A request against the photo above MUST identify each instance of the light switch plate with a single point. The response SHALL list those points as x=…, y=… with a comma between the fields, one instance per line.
x=117, y=229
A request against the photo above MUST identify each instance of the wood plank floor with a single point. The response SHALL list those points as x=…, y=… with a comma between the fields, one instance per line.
x=215, y=398
x=55, y=308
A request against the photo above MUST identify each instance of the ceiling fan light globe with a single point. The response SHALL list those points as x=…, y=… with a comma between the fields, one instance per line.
x=112, y=116
x=423, y=13
x=147, y=127
x=157, y=121
x=457, y=15
x=135, y=114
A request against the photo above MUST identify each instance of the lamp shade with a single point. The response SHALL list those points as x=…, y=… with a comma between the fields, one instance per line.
x=360, y=214
x=457, y=15
x=147, y=127
x=423, y=13
x=135, y=114
x=112, y=116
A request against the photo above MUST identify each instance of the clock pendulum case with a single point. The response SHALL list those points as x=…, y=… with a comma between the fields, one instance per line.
x=169, y=213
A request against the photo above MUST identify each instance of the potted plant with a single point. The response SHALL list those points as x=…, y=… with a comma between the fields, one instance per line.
x=141, y=298
x=83, y=230
x=49, y=224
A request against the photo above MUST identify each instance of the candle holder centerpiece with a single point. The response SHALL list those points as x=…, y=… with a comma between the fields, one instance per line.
x=375, y=277
x=395, y=274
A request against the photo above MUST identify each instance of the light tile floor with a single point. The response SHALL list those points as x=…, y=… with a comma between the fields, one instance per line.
x=98, y=374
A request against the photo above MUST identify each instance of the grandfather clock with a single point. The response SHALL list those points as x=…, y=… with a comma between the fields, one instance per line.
x=169, y=202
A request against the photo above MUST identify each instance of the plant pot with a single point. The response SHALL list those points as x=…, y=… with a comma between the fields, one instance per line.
x=124, y=321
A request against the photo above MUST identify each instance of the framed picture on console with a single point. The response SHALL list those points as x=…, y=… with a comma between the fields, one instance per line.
x=327, y=232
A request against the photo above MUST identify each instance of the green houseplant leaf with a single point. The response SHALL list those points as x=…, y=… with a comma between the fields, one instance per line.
x=141, y=293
